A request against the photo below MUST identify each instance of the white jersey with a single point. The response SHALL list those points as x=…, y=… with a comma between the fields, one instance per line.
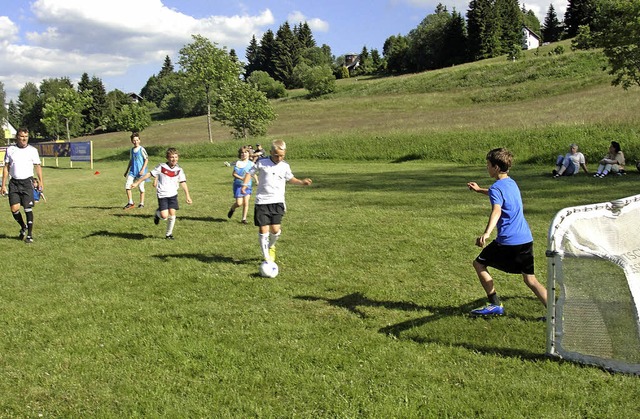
x=169, y=179
x=21, y=161
x=272, y=179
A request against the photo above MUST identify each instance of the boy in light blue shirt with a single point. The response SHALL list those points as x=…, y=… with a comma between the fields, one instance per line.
x=512, y=250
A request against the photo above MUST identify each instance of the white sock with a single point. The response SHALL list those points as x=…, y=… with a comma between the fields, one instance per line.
x=264, y=245
x=171, y=221
x=273, y=238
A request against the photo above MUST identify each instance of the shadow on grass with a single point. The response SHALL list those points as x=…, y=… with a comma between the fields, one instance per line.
x=352, y=302
x=206, y=258
x=128, y=236
x=150, y=217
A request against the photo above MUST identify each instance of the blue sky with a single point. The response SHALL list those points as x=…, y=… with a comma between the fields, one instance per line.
x=124, y=42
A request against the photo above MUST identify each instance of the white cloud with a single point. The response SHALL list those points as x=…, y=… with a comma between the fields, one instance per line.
x=315, y=24
x=8, y=30
x=107, y=38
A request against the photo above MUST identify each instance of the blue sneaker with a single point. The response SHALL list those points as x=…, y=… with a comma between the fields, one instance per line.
x=488, y=311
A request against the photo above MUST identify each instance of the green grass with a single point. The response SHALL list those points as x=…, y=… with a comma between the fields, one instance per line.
x=368, y=317
x=103, y=317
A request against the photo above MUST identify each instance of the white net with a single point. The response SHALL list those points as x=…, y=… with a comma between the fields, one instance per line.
x=594, y=285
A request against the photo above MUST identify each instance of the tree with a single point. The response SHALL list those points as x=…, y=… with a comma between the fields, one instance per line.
x=64, y=111
x=483, y=30
x=93, y=116
x=266, y=52
x=456, y=51
x=286, y=55
x=262, y=81
x=318, y=80
x=245, y=109
x=510, y=22
x=209, y=67
x=551, y=28
x=304, y=36
x=4, y=115
x=167, y=68
x=619, y=38
x=579, y=13
x=252, y=54
x=427, y=41
x=133, y=117
x=29, y=110
x=396, y=51
x=531, y=20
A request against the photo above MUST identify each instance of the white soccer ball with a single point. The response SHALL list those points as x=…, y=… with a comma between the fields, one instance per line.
x=269, y=269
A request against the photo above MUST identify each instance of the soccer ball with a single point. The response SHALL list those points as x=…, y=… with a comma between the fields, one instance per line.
x=269, y=269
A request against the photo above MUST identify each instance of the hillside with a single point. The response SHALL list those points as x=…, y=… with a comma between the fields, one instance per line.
x=541, y=101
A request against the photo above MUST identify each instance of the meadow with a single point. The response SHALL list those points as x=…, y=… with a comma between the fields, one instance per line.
x=369, y=316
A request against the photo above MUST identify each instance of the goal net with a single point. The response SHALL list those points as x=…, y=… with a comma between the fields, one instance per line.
x=593, y=254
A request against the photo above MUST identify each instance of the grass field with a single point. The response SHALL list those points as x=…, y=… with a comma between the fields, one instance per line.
x=102, y=317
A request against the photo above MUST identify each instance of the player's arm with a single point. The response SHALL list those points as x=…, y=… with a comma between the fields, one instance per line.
x=245, y=183
x=475, y=187
x=126, y=172
x=496, y=210
x=303, y=182
x=5, y=175
x=144, y=166
x=140, y=180
x=185, y=188
x=38, y=169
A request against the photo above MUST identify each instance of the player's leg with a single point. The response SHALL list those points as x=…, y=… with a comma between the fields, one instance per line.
x=15, y=200
x=538, y=289
x=127, y=188
x=171, y=215
x=245, y=207
x=142, y=192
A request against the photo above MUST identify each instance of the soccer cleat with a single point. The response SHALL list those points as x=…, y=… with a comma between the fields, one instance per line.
x=29, y=239
x=156, y=218
x=140, y=205
x=488, y=311
x=23, y=233
x=556, y=176
x=597, y=175
x=272, y=253
x=244, y=222
x=169, y=237
x=128, y=206
x=230, y=213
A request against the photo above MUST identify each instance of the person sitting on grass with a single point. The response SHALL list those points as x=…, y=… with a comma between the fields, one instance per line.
x=613, y=162
x=512, y=250
x=570, y=163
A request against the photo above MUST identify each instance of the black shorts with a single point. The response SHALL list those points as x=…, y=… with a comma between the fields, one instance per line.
x=168, y=203
x=516, y=259
x=268, y=214
x=21, y=192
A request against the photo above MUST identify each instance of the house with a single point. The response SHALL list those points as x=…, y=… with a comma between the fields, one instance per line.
x=351, y=61
x=531, y=40
x=135, y=98
x=9, y=130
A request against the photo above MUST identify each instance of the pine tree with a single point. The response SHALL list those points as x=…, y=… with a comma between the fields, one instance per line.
x=167, y=68
x=456, y=39
x=266, y=53
x=579, y=13
x=285, y=56
x=252, y=54
x=304, y=36
x=510, y=22
x=483, y=29
x=551, y=29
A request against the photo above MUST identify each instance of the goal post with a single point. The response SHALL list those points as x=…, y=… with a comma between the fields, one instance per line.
x=593, y=285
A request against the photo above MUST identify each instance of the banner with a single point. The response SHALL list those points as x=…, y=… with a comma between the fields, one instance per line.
x=53, y=149
x=81, y=151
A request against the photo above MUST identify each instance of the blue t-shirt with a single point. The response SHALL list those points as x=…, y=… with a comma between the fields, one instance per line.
x=242, y=171
x=137, y=161
x=512, y=226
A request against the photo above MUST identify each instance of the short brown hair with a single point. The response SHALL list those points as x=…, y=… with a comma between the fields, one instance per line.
x=500, y=157
x=135, y=134
x=170, y=151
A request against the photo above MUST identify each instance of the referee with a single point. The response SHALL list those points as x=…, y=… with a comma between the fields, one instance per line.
x=19, y=163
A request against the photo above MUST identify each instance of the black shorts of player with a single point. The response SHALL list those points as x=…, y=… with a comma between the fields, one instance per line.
x=516, y=259
x=268, y=214
x=167, y=203
x=21, y=192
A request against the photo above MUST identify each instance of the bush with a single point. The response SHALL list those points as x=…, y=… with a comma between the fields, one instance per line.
x=318, y=80
x=267, y=85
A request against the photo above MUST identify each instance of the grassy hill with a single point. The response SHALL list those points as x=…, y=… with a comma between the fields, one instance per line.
x=536, y=106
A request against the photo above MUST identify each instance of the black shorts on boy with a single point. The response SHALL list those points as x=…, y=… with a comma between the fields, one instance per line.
x=513, y=259
x=268, y=214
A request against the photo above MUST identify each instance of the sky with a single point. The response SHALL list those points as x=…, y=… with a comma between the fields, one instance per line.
x=124, y=42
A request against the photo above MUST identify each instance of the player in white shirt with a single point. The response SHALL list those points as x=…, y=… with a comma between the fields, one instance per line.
x=170, y=178
x=20, y=162
x=273, y=174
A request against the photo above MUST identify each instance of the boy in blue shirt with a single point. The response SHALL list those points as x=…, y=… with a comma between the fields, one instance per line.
x=512, y=250
x=137, y=167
